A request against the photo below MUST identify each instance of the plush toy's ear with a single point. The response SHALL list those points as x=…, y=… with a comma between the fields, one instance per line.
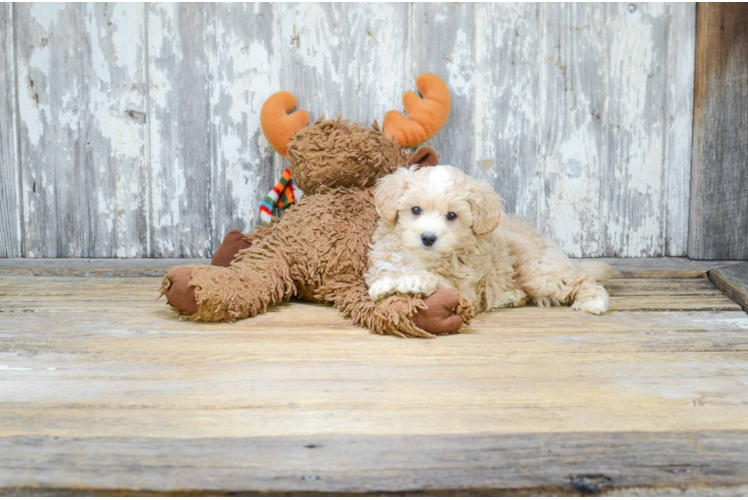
x=388, y=192
x=277, y=125
x=425, y=157
x=425, y=116
x=486, y=207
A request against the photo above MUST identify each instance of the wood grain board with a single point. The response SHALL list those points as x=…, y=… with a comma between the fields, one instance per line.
x=139, y=132
x=733, y=282
x=645, y=267
x=11, y=237
x=104, y=390
x=719, y=199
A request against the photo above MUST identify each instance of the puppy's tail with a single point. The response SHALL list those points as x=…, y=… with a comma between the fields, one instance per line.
x=601, y=271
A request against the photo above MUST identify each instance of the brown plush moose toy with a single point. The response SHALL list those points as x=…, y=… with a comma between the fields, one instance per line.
x=318, y=249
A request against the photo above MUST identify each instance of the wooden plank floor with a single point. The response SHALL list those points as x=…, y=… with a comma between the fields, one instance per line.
x=102, y=389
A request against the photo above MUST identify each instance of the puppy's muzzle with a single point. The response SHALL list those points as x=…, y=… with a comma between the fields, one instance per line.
x=428, y=239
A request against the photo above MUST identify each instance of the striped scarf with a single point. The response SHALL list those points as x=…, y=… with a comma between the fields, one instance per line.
x=281, y=196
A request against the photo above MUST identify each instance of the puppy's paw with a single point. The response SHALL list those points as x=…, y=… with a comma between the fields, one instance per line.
x=383, y=287
x=595, y=305
x=512, y=298
x=415, y=284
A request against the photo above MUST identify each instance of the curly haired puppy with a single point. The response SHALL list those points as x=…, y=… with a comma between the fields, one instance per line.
x=440, y=228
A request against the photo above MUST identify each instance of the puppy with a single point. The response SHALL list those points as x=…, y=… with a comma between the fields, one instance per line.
x=440, y=228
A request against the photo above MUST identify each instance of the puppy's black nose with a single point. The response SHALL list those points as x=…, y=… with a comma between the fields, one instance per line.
x=428, y=239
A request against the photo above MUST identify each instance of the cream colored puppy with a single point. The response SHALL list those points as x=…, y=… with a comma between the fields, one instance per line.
x=440, y=228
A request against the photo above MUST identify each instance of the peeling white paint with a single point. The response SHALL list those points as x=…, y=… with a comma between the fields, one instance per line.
x=309, y=29
x=33, y=106
x=110, y=100
x=373, y=85
x=46, y=13
x=460, y=79
x=574, y=184
x=636, y=132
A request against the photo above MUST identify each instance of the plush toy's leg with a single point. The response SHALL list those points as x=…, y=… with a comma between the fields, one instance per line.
x=402, y=315
x=235, y=241
x=212, y=293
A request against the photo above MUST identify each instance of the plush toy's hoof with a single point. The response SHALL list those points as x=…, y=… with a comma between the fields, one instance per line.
x=440, y=317
x=233, y=242
x=180, y=294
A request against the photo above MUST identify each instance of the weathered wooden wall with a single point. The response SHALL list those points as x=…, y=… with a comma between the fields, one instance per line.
x=132, y=130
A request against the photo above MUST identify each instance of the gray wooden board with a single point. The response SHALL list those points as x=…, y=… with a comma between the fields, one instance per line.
x=733, y=282
x=691, y=492
x=93, y=267
x=81, y=100
x=54, y=127
x=719, y=198
x=241, y=77
x=630, y=268
x=140, y=136
x=637, y=127
x=11, y=236
x=179, y=113
x=696, y=492
x=552, y=463
x=116, y=94
x=681, y=41
x=572, y=132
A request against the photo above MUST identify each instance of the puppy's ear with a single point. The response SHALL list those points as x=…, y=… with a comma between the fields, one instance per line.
x=388, y=192
x=486, y=207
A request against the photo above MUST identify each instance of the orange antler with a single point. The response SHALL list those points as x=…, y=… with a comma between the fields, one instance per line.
x=425, y=116
x=277, y=125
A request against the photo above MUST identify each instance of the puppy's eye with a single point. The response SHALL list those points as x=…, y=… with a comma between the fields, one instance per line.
x=416, y=210
x=451, y=216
